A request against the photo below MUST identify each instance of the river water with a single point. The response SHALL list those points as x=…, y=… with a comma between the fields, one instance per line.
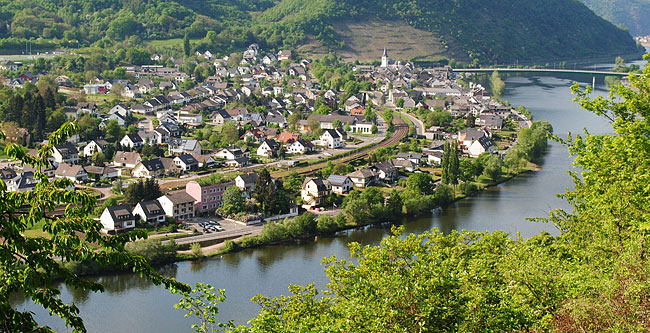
x=131, y=304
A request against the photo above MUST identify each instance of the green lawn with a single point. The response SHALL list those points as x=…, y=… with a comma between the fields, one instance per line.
x=174, y=42
x=36, y=230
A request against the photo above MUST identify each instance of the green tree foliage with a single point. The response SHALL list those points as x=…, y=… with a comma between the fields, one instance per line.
x=113, y=131
x=186, y=45
x=270, y=193
x=496, y=84
x=30, y=265
x=420, y=183
x=142, y=190
x=230, y=133
x=202, y=302
x=450, y=164
x=233, y=201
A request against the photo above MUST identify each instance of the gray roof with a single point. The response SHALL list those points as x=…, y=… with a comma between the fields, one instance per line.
x=120, y=212
x=188, y=159
x=249, y=177
x=153, y=164
x=337, y=180
x=151, y=208
x=178, y=197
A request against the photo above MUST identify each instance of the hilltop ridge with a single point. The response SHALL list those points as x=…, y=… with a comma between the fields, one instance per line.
x=468, y=30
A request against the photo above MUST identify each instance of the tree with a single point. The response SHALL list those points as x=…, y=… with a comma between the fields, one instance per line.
x=264, y=190
x=201, y=302
x=470, y=121
x=230, y=133
x=186, y=44
x=493, y=167
x=142, y=190
x=114, y=132
x=98, y=159
x=30, y=265
x=374, y=129
x=293, y=120
x=420, y=183
x=233, y=201
x=496, y=84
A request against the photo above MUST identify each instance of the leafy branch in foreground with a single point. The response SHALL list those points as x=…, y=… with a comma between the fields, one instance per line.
x=202, y=303
x=30, y=265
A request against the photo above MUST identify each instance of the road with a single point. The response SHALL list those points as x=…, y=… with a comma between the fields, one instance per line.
x=419, y=125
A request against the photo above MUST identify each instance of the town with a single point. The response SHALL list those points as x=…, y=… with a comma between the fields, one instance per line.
x=253, y=137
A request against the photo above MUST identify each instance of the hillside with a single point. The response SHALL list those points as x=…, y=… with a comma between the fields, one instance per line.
x=630, y=14
x=463, y=29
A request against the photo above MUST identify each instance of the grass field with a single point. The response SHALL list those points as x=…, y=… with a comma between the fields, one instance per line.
x=171, y=43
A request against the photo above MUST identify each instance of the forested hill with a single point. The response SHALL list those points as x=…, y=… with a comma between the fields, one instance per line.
x=497, y=30
x=631, y=14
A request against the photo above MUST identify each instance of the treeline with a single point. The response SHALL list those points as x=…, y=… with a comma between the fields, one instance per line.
x=34, y=108
x=152, y=250
x=467, y=27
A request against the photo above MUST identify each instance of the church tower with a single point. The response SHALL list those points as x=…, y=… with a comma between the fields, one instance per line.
x=384, y=59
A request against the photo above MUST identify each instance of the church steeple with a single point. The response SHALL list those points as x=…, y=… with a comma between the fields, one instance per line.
x=384, y=59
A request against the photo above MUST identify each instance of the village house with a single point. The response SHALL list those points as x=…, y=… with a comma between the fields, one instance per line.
x=75, y=173
x=314, y=192
x=127, y=159
x=178, y=205
x=340, y=184
x=363, y=177
x=467, y=136
x=416, y=158
x=149, y=169
x=253, y=135
x=489, y=120
x=207, y=198
x=333, y=138
x=132, y=140
x=95, y=146
x=116, y=219
x=24, y=182
x=385, y=171
x=150, y=211
x=205, y=161
x=246, y=182
x=300, y=146
x=405, y=165
x=480, y=146
x=182, y=146
x=65, y=153
x=97, y=173
x=186, y=162
x=232, y=153
x=268, y=148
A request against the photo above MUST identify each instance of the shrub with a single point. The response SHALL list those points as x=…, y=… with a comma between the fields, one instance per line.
x=197, y=250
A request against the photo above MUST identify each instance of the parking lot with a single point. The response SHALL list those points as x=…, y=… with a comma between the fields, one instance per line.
x=199, y=223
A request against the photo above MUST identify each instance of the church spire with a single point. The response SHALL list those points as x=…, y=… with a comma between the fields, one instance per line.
x=385, y=53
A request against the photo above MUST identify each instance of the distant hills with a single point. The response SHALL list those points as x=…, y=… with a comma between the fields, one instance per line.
x=488, y=31
x=631, y=14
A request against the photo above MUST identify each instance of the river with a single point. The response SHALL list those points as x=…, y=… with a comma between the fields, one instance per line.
x=131, y=304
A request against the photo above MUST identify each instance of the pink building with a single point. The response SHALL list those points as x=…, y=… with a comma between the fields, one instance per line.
x=208, y=198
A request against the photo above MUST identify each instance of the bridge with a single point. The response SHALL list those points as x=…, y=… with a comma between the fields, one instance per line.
x=540, y=70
